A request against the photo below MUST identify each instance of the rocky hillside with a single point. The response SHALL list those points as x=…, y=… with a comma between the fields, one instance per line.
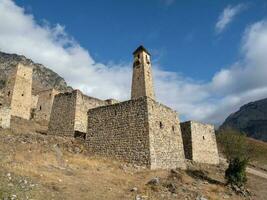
x=251, y=119
x=43, y=78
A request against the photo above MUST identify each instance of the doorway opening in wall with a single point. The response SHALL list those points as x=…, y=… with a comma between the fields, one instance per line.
x=79, y=135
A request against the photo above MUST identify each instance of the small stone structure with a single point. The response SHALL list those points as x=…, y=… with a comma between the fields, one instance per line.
x=18, y=91
x=139, y=131
x=44, y=105
x=200, y=142
x=69, y=113
x=5, y=116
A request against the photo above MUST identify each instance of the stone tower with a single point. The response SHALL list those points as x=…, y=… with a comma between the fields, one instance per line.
x=18, y=91
x=142, y=81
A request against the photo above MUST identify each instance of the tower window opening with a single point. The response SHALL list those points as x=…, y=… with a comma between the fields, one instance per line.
x=173, y=128
x=40, y=108
x=22, y=95
x=8, y=94
x=161, y=125
x=203, y=137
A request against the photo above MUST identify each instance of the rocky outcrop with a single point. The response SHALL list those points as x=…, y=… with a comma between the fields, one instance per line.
x=251, y=119
x=43, y=78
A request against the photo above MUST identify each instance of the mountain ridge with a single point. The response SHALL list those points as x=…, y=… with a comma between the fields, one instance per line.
x=43, y=77
x=251, y=119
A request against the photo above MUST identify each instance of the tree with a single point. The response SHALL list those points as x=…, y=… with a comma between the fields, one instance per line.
x=234, y=146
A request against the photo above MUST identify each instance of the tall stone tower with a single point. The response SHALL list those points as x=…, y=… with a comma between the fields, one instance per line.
x=142, y=82
x=18, y=91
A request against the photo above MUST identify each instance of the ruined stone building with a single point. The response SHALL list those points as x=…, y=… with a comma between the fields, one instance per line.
x=18, y=92
x=5, y=116
x=44, y=105
x=69, y=113
x=140, y=130
x=200, y=142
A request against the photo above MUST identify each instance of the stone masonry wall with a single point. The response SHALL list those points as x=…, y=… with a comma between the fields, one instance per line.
x=18, y=91
x=204, y=146
x=83, y=104
x=5, y=117
x=121, y=131
x=187, y=139
x=132, y=131
x=62, y=116
x=69, y=113
x=44, y=105
x=166, y=144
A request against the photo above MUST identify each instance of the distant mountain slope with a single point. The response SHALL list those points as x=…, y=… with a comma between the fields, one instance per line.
x=43, y=78
x=251, y=119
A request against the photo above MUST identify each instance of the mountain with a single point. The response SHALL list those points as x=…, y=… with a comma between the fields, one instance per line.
x=43, y=78
x=251, y=119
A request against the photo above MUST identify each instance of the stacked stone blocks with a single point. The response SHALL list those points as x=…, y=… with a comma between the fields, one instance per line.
x=200, y=142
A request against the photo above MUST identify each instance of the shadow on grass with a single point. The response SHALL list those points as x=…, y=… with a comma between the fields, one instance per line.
x=198, y=174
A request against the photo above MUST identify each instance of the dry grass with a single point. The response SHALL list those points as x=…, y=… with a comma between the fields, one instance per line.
x=61, y=168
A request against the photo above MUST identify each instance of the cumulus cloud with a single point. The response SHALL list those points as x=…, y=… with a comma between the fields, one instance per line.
x=209, y=101
x=227, y=16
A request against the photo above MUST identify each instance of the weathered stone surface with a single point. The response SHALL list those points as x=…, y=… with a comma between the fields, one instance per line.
x=140, y=131
x=200, y=142
x=5, y=116
x=142, y=81
x=18, y=91
x=69, y=113
x=44, y=105
x=250, y=119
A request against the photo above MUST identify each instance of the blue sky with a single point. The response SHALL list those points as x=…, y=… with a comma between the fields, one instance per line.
x=208, y=56
x=179, y=34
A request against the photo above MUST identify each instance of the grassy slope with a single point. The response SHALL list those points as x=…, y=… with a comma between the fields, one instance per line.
x=34, y=166
x=260, y=157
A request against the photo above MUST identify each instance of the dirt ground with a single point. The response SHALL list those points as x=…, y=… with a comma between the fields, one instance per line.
x=36, y=166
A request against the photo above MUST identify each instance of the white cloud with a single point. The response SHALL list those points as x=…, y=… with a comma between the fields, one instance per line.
x=211, y=101
x=227, y=16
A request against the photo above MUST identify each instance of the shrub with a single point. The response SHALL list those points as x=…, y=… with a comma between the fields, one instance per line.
x=235, y=147
x=236, y=172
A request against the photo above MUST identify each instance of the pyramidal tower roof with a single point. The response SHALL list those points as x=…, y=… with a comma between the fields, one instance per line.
x=141, y=48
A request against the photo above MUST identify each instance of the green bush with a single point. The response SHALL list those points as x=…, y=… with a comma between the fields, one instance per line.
x=236, y=172
x=236, y=149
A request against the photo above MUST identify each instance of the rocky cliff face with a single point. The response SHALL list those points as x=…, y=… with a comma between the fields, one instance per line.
x=251, y=119
x=43, y=78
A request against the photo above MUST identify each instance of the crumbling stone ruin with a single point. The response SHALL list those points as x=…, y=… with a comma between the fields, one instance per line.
x=44, y=105
x=200, y=142
x=5, y=116
x=140, y=130
x=69, y=113
x=18, y=92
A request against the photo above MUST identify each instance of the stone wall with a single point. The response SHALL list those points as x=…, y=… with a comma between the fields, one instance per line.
x=166, y=144
x=5, y=117
x=62, y=116
x=131, y=131
x=34, y=101
x=44, y=105
x=120, y=130
x=111, y=101
x=83, y=104
x=200, y=141
x=18, y=91
x=69, y=113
